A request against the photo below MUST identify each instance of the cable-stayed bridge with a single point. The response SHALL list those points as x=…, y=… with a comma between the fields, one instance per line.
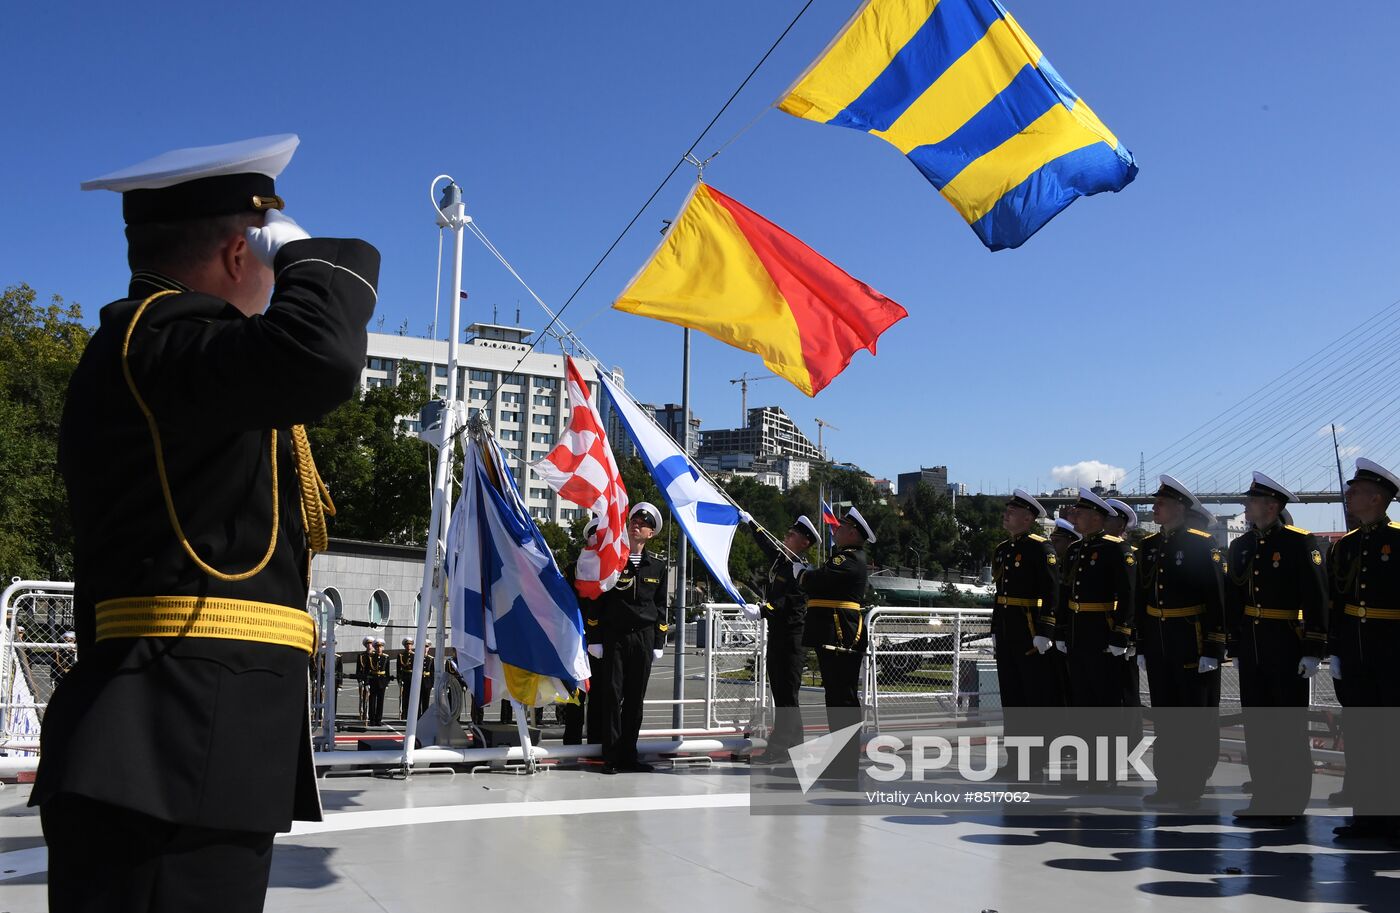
x=1285, y=426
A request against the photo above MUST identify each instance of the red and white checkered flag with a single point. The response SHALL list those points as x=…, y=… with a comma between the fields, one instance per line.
x=582, y=469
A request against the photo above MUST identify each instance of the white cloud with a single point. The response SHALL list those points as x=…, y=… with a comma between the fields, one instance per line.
x=1087, y=472
x=1348, y=450
x=1326, y=430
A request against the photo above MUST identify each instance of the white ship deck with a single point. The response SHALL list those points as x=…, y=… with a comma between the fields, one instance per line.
x=573, y=839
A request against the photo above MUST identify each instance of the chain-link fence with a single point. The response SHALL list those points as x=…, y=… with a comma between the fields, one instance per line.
x=37, y=649
x=924, y=662
x=735, y=678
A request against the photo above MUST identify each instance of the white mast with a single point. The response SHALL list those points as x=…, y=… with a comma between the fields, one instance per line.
x=451, y=214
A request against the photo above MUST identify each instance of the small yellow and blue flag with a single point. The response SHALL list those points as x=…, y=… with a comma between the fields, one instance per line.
x=965, y=94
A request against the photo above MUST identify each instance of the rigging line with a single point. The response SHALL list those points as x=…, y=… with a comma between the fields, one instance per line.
x=1303, y=415
x=437, y=286
x=1284, y=402
x=1379, y=410
x=1282, y=407
x=659, y=187
x=1270, y=449
x=1280, y=386
x=495, y=252
x=1271, y=384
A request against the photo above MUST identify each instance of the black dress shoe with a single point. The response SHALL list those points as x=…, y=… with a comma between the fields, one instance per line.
x=1245, y=818
x=1339, y=799
x=638, y=767
x=1358, y=832
x=608, y=769
x=1159, y=799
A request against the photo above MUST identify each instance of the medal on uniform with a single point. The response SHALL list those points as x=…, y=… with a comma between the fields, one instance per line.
x=1094, y=558
x=1179, y=557
x=1018, y=559
x=1385, y=552
x=1276, y=558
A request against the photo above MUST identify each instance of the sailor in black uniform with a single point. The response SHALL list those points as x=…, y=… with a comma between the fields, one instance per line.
x=1122, y=524
x=1276, y=620
x=403, y=674
x=180, y=742
x=1181, y=635
x=1096, y=612
x=1026, y=574
x=378, y=682
x=835, y=627
x=626, y=629
x=785, y=610
x=1363, y=638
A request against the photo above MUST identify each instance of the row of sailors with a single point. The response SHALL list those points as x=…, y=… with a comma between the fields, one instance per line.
x=1081, y=613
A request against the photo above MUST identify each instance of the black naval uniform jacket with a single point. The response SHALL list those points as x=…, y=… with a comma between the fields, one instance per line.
x=636, y=601
x=200, y=731
x=784, y=603
x=835, y=592
x=1027, y=578
x=1275, y=582
x=1096, y=606
x=1363, y=571
x=1180, y=612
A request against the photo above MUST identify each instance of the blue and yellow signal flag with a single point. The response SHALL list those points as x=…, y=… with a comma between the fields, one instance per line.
x=965, y=94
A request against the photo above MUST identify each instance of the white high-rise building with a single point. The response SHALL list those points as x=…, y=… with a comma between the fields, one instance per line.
x=528, y=412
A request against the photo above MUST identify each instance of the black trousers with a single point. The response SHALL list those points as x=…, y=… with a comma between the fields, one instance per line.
x=1028, y=679
x=840, y=682
x=1095, y=675
x=574, y=715
x=376, y=702
x=1370, y=653
x=615, y=697
x=785, y=655
x=1275, y=700
x=1186, y=719
x=106, y=858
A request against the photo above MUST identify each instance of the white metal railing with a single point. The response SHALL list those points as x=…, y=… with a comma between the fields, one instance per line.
x=911, y=652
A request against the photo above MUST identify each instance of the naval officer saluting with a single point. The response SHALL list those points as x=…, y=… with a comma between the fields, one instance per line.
x=180, y=742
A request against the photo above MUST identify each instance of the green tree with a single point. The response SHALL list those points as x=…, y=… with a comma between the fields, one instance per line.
x=380, y=475
x=39, y=348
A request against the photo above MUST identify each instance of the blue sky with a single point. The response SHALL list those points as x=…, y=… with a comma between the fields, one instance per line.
x=1262, y=223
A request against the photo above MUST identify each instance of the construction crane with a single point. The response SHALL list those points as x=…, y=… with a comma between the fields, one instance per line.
x=821, y=425
x=743, y=381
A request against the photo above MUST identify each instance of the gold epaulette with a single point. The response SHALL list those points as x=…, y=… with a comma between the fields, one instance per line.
x=1108, y=538
x=1393, y=525
x=1297, y=529
x=1034, y=538
x=1197, y=532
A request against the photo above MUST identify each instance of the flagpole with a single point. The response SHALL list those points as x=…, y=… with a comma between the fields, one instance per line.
x=682, y=554
x=452, y=214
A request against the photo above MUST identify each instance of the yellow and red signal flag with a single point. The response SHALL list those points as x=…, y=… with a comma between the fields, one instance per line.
x=730, y=273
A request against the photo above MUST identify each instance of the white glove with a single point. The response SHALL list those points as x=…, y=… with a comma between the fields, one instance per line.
x=266, y=240
x=1336, y=663
x=1041, y=643
x=1207, y=664
x=657, y=654
x=1061, y=646
x=595, y=651
x=745, y=517
x=1142, y=662
x=1117, y=651
x=1307, y=666
x=751, y=610
x=798, y=567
